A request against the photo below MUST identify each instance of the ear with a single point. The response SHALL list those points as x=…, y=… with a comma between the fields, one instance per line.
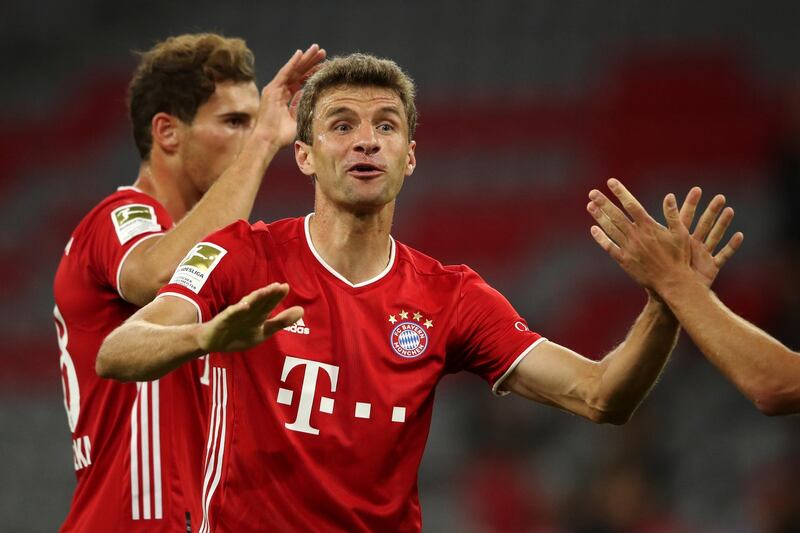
x=166, y=131
x=411, y=161
x=304, y=158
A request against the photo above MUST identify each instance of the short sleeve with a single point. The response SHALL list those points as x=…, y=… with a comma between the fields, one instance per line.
x=118, y=228
x=212, y=275
x=492, y=338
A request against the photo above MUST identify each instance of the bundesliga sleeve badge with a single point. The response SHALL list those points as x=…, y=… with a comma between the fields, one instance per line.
x=195, y=268
x=409, y=339
x=134, y=219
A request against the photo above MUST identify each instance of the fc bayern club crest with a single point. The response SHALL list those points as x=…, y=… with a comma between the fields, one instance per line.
x=409, y=340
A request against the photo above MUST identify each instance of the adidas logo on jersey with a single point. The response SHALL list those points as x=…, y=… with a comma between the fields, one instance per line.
x=299, y=327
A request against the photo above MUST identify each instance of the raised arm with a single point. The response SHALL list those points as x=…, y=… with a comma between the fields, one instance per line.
x=231, y=197
x=608, y=391
x=763, y=369
x=165, y=334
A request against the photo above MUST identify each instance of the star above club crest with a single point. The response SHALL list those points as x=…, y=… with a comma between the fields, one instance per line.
x=392, y=319
x=404, y=314
x=428, y=323
x=417, y=316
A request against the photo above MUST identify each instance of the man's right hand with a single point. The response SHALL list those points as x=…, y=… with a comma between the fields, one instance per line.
x=246, y=323
x=654, y=255
x=277, y=115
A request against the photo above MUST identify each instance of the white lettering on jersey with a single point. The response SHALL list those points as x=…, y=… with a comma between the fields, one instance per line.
x=298, y=327
x=306, y=402
x=81, y=452
x=195, y=268
x=69, y=378
x=134, y=219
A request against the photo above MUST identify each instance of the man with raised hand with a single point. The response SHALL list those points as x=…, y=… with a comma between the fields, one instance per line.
x=205, y=141
x=761, y=367
x=322, y=396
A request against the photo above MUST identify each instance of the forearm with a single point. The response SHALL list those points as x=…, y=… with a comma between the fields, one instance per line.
x=142, y=351
x=629, y=371
x=229, y=199
x=762, y=368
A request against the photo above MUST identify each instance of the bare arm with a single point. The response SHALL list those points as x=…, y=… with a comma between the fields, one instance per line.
x=608, y=391
x=763, y=369
x=231, y=197
x=164, y=334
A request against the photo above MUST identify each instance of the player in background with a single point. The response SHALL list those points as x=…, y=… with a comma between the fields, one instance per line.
x=320, y=410
x=763, y=369
x=205, y=139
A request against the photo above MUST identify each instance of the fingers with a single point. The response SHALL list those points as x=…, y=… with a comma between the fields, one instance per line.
x=284, y=319
x=608, y=216
x=256, y=306
x=671, y=213
x=689, y=206
x=628, y=201
x=605, y=243
x=294, y=103
x=708, y=217
x=606, y=224
x=299, y=65
x=720, y=227
x=727, y=252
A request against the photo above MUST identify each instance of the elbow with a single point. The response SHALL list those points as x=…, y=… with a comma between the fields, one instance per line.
x=773, y=403
x=615, y=417
x=105, y=367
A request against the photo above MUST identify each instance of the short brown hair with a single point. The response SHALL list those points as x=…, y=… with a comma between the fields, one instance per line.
x=179, y=75
x=360, y=70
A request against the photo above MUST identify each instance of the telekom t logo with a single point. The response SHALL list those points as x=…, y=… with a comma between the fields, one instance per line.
x=303, y=421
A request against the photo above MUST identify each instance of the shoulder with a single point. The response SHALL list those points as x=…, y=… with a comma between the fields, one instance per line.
x=129, y=212
x=426, y=266
x=245, y=239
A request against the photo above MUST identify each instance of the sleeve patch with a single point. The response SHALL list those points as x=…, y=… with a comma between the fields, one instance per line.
x=195, y=268
x=134, y=219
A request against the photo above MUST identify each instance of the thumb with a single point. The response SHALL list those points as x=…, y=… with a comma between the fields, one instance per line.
x=671, y=213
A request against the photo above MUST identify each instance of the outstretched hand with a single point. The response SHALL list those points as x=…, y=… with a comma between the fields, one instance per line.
x=710, y=229
x=246, y=323
x=277, y=114
x=653, y=254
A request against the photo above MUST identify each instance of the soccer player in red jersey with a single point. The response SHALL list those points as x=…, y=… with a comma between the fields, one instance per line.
x=321, y=397
x=762, y=368
x=195, y=109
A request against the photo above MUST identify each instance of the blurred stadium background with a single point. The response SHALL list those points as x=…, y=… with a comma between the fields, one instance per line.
x=525, y=106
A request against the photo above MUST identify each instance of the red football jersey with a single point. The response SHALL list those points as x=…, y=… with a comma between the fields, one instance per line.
x=322, y=427
x=130, y=471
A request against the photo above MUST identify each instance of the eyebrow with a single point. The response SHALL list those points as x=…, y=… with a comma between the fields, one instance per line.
x=344, y=110
x=235, y=114
x=341, y=110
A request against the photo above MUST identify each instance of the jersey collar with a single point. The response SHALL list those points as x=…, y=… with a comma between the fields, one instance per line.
x=392, y=253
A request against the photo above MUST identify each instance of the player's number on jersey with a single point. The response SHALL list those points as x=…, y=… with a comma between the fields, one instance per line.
x=69, y=378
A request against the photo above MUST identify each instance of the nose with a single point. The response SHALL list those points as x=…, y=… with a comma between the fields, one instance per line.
x=366, y=141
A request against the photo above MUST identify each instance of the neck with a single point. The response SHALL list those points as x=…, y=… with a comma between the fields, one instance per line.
x=357, y=246
x=170, y=190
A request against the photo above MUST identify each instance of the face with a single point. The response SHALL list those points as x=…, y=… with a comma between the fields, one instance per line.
x=361, y=153
x=211, y=142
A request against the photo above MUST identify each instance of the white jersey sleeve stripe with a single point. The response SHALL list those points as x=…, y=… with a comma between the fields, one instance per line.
x=145, y=434
x=135, y=456
x=221, y=452
x=496, y=387
x=213, y=426
x=217, y=452
x=159, y=510
x=124, y=257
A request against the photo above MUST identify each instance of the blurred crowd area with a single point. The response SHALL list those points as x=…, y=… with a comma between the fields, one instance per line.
x=524, y=107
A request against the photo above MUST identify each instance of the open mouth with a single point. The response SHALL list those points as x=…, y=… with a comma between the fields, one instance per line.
x=365, y=170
